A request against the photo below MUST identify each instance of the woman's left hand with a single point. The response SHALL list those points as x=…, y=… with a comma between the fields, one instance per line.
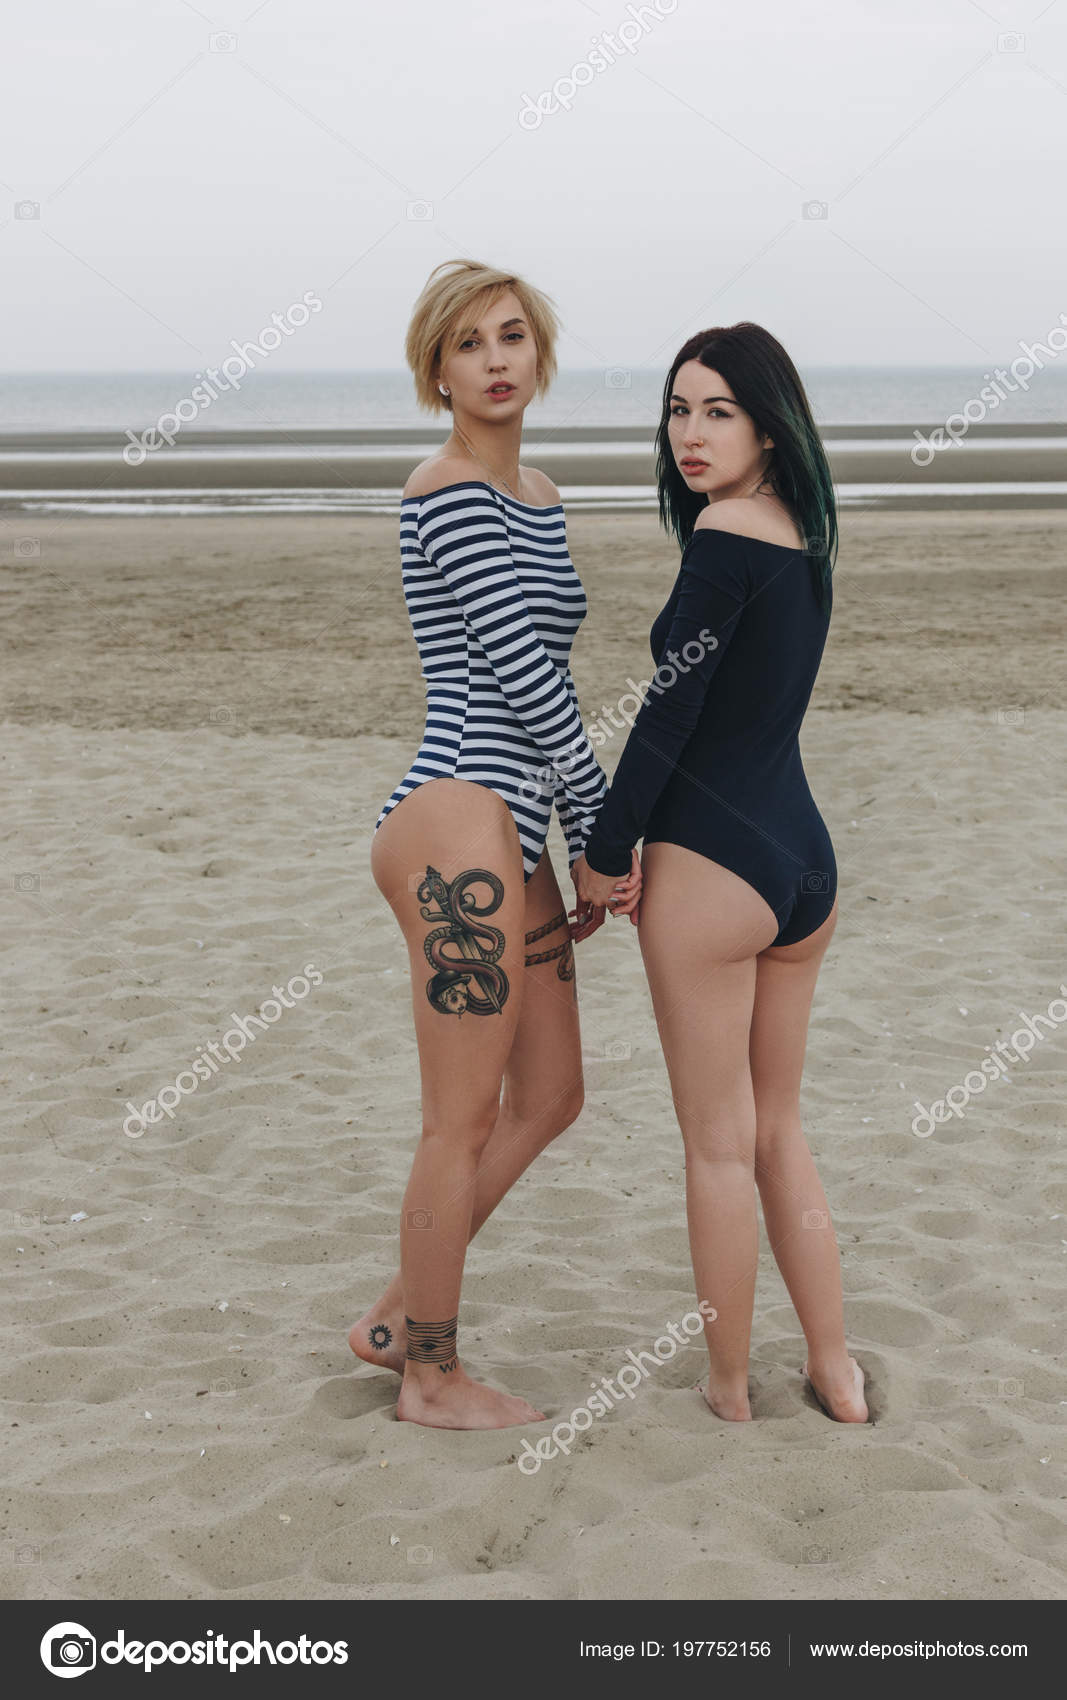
x=607, y=891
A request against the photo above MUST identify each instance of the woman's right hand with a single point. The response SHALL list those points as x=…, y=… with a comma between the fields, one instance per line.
x=587, y=918
x=629, y=902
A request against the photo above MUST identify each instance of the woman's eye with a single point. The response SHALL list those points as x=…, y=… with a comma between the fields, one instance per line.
x=472, y=340
x=677, y=410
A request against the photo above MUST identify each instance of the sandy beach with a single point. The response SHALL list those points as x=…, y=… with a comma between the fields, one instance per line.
x=198, y=735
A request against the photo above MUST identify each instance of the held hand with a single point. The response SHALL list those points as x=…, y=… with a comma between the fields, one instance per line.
x=635, y=912
x=587, y=918
x=607, y=891
x=630, y=903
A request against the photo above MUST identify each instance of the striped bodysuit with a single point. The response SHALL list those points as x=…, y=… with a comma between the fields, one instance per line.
x=495, y=603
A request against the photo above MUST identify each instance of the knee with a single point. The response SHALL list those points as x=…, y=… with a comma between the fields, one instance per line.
x=547, y=1122
x=702, y=1153
x=727, y=1136
x=566, y=1110
x=776, y=1133
x=467, y=1131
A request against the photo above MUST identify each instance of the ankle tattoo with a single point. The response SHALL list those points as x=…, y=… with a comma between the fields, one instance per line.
x=433, y=1343
x=381, y=1336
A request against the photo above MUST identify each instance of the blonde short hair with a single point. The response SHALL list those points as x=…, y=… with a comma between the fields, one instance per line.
x=455, y=294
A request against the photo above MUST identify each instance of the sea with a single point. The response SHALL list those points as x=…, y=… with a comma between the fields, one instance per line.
x=341, y=441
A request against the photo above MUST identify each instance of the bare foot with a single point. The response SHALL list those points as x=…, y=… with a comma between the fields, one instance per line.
x=380, y=1339
x=731, y=1407
x=840, y=1392
x=461, y=1403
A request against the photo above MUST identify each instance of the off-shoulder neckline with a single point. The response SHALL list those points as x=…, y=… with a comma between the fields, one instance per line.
x=481, y=484
x=743, y=537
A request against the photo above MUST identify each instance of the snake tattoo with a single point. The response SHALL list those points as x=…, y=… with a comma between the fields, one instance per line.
x=469, y=980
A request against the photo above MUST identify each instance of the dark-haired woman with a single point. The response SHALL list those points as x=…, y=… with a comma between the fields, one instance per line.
x=740, y=883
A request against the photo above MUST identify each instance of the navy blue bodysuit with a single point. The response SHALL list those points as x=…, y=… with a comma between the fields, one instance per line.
x=713, y=758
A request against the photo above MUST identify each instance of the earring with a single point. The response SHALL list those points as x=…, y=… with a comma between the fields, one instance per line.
x=442, y=389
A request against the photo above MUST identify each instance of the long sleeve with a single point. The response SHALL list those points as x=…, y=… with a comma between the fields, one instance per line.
x=576, y=823
x=467, y=541
x=713, y=588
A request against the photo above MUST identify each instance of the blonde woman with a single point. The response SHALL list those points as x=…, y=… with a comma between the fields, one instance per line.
x=459, y=847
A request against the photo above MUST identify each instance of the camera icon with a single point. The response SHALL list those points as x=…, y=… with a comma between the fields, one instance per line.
x=815, y=880
x=1011, y=42
x=420, y=1218
x=27, y=548
x=68, y=1649
x=222, y=42
x=420, y=1555
x=617, y=1050
x=1010, y=1389
x=617, y=378
x=814, y=1219
x=27, y=209
x=220, y=716
x=224, y=1387
x=815, y=209
x=27, y=1555
x=1010, y=716
x=420, y=210
x=816, y=1555
x=27, y=882
x=27, y=1218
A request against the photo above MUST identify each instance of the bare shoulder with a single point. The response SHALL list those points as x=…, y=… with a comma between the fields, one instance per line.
x=749, y=517
x=544, y=491
x=438, y=472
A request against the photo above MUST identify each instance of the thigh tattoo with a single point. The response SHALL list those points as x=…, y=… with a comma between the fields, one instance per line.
x=465, y=952
x=564, y=951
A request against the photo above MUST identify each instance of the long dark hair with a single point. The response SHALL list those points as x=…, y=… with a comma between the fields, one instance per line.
x=768, y=386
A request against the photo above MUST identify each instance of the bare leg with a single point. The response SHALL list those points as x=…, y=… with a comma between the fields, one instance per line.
x=543, y=1095
x=448, y=861
x=701, y=928
x=795, y=1210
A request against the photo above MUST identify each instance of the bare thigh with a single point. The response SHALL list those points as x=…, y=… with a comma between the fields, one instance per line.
x=785, y=986
x=701, y=928
x=447, y=859
x=543, y=1074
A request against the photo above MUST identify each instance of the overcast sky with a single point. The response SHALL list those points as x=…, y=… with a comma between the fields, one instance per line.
x=197, y=168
